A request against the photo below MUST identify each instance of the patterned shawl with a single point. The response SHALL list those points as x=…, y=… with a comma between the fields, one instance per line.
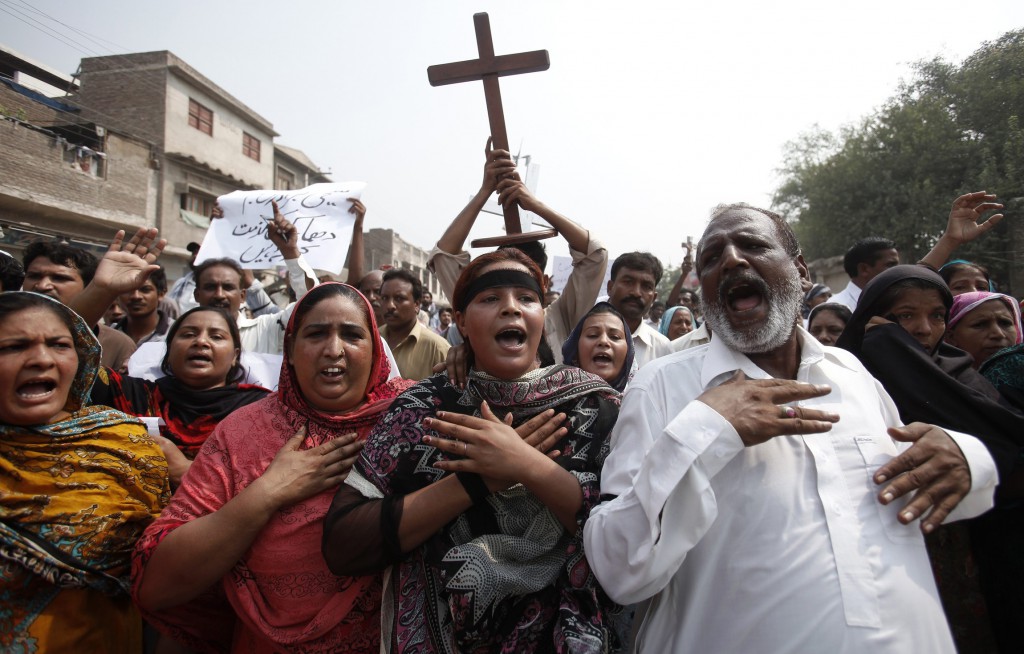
x=1005, y=369
x=504, y=576
x=76, y=494
x=280, y=597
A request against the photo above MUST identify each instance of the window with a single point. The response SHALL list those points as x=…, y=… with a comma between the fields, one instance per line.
x=285, y=180
x=85, y=160
x=200, y=117
x=200, y=204
x=250, y=146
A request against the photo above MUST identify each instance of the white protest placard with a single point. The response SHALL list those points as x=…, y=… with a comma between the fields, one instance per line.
x=561, y=267
x=320, y=213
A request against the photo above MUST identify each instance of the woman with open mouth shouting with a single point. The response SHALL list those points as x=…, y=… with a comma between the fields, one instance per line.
x=475, y=499
x=79, y=485
x=602, y=345
x=201, y=386
x=233, y=563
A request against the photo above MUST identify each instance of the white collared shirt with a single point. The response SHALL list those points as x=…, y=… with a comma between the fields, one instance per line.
x=696, y=338
x=183, y=292
x=782, y=546
x=265, y=333
x=649, y=344
x=848, y=297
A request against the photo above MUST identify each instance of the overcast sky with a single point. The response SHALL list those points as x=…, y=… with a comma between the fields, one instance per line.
x=651, y=112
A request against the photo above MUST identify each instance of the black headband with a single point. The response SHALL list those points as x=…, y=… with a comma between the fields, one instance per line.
x=500, y=278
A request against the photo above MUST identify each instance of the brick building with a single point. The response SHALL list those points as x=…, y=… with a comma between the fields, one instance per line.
x=205, y=141
x=384, y=247
x=60, y=173
x=140, y=139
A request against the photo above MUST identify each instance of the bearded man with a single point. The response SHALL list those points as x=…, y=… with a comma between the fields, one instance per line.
x=759, y=484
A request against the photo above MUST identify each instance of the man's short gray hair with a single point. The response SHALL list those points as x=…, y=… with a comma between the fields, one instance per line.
x=782, y=228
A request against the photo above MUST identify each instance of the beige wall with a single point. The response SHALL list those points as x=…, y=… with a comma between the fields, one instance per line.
x=829, y=271
x=177, y=178
x=223, y=150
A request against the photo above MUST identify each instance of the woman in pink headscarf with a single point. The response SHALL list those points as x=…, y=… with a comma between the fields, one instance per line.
x=233, y=563
x=982, y=323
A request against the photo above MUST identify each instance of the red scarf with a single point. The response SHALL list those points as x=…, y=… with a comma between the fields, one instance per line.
x=323, y=427
x=282, y=596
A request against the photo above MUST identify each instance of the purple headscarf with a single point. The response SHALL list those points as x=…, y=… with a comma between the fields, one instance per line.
x=965, y=303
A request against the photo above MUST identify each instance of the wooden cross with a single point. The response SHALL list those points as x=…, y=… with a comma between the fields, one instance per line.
x=489, y=68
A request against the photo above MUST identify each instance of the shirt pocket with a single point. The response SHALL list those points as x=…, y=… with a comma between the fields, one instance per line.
x=877, y=452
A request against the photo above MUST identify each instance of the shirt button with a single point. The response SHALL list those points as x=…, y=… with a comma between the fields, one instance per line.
x=719, y=451
x=837, y=508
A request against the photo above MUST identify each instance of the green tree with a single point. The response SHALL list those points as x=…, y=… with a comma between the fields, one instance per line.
x=948, y=130
x=668, y=280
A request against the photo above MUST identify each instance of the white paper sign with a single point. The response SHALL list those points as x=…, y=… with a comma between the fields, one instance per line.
x=561, y=268
x=319, y=212
x=260, y=368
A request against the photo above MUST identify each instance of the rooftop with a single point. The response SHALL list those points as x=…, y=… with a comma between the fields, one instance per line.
x=178, y=66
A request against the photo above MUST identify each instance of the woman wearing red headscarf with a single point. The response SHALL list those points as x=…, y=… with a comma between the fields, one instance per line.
x=245, y=524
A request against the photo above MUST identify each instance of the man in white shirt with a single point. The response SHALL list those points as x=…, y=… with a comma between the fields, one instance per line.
x=758, y=489
x=631, y=290
x=219, y=284
x=182, y=292
x=868, y=257
x=428, y=307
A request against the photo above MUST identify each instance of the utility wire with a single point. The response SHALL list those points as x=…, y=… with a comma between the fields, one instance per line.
x=92, y=37
x=117, y=123
x=45, y=29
